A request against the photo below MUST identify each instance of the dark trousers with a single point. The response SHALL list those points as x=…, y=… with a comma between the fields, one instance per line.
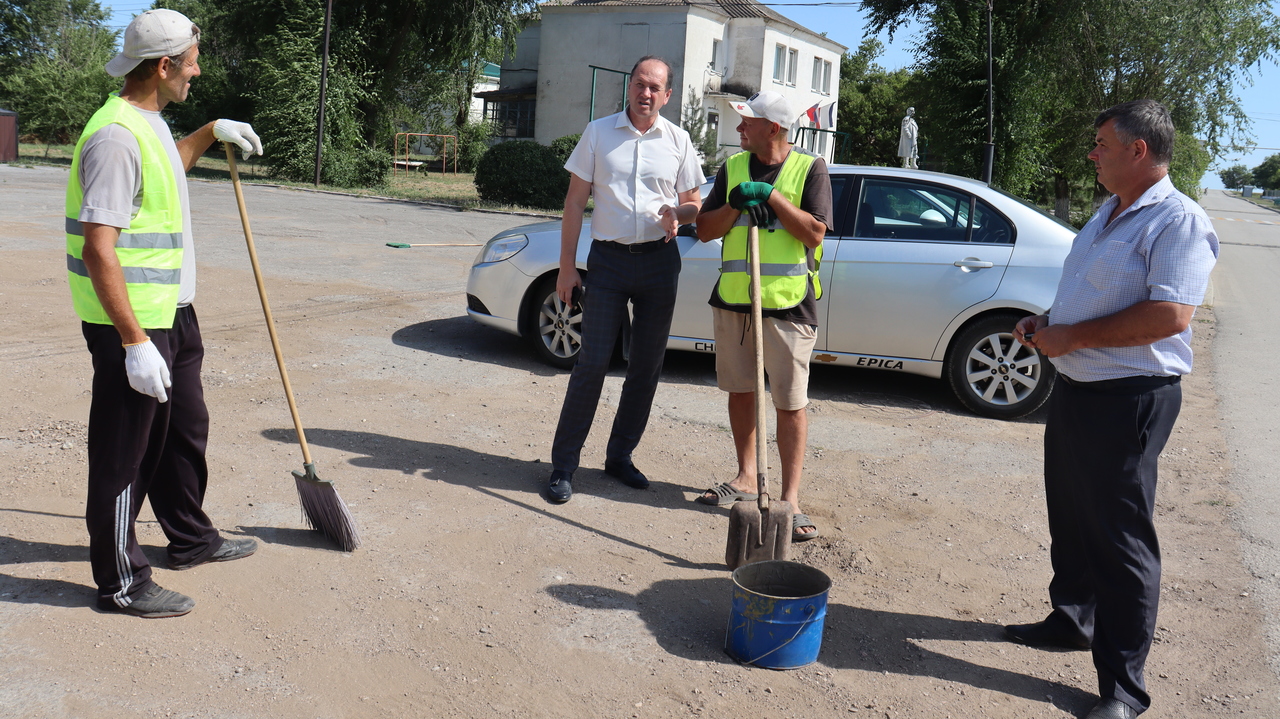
x=142, y=448
x=1102, y=442
x=614, y=277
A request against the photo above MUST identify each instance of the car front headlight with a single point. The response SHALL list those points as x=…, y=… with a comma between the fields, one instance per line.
x=501, y=248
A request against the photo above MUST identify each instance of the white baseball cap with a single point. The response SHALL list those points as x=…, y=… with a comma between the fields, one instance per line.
x=154, y=33
x=768, y=105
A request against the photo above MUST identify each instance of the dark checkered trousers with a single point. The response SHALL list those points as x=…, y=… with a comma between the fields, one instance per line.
x=646, y=275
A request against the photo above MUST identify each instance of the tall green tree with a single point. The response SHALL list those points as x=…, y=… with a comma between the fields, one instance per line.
x=395, y=50
x=59, y=78
x=1267, y=174
x=872, y=102
x=1059, y=62
x=31, y=29
x=1236, y=176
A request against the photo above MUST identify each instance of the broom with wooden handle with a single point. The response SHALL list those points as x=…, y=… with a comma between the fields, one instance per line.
x=322, y=508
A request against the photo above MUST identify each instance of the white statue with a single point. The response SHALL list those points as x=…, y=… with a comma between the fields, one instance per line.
x=907, y=140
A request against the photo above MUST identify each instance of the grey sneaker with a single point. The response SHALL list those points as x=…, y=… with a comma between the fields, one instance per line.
x=230, y=549
x=155, y=603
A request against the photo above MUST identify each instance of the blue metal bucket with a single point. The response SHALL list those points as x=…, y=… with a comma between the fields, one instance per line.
x=777, y=615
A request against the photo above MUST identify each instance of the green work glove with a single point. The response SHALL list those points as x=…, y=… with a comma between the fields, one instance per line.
x=749, y=193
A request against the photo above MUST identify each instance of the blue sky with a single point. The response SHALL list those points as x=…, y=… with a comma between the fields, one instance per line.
x=847, y=25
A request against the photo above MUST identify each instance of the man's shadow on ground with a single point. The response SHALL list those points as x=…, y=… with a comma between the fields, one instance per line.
x=493, y=475
x=688, y=618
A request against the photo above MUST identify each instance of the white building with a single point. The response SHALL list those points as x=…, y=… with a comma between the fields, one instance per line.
x=571, y=65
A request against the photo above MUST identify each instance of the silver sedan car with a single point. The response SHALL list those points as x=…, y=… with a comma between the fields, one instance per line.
x=922, y=272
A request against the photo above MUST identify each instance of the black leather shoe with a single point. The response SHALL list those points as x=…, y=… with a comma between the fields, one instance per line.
x=627, y=472
x=560, y=488
x=1044, y=634
x=1111, y=709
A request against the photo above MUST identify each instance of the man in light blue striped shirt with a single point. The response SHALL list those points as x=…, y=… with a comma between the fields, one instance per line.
x=1119, y=334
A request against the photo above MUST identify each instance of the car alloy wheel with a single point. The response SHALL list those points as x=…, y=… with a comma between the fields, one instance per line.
x=995, y=375
x=556, y=326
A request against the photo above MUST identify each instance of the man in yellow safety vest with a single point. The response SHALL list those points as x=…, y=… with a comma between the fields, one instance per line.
x=786, y=192
x=131, y=270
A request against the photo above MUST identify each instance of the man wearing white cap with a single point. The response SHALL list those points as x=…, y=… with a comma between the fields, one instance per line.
x=786, y=192
x=131, y=269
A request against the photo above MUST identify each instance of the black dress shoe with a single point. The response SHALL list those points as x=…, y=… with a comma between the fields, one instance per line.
x=1044, y=634
x=560, y=488
x=1111, y=709
x=628, y=473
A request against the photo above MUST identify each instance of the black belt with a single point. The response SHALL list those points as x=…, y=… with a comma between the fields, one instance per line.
x=1124, y=384
x=635, y=248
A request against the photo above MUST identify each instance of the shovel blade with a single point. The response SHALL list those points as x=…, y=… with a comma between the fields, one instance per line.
x=757, y=537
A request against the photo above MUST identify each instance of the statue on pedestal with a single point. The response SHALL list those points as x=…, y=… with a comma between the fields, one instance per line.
x=907, y=149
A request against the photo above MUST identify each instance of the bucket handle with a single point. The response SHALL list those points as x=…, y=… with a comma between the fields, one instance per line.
x=809, y=612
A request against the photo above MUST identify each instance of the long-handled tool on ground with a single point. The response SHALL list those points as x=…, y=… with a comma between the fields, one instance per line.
x=322, y=508
x=763, y=531
x=435, y=244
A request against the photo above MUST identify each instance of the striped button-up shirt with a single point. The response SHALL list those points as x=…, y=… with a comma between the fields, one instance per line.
x=1161, y=248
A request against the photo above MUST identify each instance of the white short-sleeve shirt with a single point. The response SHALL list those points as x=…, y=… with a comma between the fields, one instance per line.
x=633, y=174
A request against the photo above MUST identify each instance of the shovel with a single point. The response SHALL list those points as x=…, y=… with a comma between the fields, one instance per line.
x=761, y=532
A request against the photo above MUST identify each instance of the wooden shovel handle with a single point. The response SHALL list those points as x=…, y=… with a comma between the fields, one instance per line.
x=266, y=307
x=757, y=321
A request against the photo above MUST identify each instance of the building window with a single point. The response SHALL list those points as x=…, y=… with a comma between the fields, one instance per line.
x=715, y=54
x=794, y=56
x=822, y=141
x=713, y=125
x=513, y=118
x=780, y=63
x=821, y=76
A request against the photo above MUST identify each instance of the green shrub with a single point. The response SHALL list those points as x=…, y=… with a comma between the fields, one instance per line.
x=473, y=143
x=522, y=173
x=563, y=146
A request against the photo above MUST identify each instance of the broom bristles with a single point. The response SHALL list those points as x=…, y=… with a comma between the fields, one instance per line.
x=325, y=511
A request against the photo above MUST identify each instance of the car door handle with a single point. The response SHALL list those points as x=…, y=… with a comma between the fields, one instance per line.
x=973, y=263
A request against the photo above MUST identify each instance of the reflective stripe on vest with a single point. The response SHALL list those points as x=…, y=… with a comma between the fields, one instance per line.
x=150, y=248
x=786, y=265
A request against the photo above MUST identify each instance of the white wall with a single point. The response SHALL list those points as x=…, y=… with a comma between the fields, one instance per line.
x=573, y=38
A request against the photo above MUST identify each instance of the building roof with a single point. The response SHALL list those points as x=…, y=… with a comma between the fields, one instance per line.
x=732, y=8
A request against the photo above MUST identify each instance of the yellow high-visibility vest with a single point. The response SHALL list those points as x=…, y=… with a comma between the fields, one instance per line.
x=150, y=249
x=786, y=265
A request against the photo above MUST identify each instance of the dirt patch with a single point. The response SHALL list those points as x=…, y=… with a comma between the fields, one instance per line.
x=472, y=595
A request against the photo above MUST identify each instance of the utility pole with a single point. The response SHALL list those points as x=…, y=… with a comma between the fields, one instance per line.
x=989, y=150
x=324, y=81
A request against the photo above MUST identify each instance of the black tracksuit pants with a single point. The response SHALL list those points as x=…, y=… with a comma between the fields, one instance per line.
x=142, y=448
x=1102, y=442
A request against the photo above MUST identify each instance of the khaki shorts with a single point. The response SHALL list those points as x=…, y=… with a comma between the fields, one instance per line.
x=788, y=346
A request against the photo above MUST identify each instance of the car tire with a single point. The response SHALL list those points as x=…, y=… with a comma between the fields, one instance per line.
x=995, y=376
x=555, y=329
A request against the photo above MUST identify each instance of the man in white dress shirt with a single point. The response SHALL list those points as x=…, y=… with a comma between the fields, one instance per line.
x=644, y=174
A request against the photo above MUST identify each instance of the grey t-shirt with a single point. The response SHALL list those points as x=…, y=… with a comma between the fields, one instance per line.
x=111, y=177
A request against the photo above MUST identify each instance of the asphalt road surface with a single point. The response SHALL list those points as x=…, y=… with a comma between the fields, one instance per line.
x=1247, y=301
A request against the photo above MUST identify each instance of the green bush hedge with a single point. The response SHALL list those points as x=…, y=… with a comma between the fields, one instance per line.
x=522, y=173
x=563, y=146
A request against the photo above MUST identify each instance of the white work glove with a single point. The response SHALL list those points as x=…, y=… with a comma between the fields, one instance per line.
x=238, y=133
x=147, y=370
